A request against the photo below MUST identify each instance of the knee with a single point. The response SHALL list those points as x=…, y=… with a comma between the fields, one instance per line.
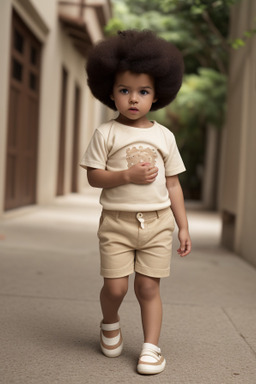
x=115, y=290
x=146, y=289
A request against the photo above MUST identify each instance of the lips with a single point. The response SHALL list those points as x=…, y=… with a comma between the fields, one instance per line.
x=133, y=109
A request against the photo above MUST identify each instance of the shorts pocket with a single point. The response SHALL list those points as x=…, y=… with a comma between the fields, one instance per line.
x=102, y=223
x=169, y=220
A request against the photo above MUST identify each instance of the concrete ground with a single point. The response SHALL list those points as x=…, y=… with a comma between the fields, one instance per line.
x=50, y=313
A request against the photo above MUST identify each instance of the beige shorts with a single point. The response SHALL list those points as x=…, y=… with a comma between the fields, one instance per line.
x=140, y=242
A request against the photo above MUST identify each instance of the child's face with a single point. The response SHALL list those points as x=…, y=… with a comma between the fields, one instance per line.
x=133, y=95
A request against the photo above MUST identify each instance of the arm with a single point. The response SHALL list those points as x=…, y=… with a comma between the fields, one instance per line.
x=178, y=208
x=141, y=173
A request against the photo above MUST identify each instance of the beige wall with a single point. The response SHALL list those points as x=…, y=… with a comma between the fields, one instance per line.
x=5, y=32
x=58, y=50
x=238, y=178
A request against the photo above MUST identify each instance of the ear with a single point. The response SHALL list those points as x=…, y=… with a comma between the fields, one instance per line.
x=112, y=97
x=155, y=100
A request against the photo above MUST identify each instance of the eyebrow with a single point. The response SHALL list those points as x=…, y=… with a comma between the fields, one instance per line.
x=126, y=86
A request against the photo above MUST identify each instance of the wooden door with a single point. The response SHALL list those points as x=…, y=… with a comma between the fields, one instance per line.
x=62, y=134
x=76, y=128
x=20, y=186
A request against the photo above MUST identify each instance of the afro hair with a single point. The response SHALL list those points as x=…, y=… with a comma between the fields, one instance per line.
x=137, y=52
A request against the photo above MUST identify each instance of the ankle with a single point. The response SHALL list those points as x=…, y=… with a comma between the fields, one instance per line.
x=111, y=339
x=152, y=341
x=110, y=320
x=112, y=329
x=154, y=347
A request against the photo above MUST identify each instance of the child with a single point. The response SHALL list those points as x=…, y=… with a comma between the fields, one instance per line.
x=136, y=162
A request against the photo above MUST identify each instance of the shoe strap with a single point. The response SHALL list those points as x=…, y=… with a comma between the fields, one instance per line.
x=150, y=350
x=111, y=341
x=151, y=347
x=150, y=353
x=110, y=327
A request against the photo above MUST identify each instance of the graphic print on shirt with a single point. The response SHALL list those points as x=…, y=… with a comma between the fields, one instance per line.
x=136, y=155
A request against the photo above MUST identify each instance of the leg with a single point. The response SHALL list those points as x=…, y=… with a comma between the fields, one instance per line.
x=151, y=360
x=111, y=297
x=148, y=295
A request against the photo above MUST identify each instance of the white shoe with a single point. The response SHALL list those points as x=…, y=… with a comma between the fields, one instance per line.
x=151, y=361
x=111, y=346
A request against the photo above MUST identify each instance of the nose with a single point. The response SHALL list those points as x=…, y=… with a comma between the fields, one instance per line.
x=133, y=98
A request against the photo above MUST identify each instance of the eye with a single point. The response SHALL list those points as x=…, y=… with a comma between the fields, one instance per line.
x=124, y=91
x=144, y=92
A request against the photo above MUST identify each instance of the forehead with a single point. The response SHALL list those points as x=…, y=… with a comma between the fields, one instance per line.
x=134, y=79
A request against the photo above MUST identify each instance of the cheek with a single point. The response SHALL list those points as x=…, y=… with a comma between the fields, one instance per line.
x=119, y=101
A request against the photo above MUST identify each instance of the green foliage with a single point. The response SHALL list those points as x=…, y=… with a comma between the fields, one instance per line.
x=201, y=98
x=200, y=29
x=240, y=42
x=201, y=101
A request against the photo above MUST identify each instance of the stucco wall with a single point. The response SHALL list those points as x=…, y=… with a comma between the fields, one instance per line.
x=58, y=51
x=238, y=191
x=5, y=31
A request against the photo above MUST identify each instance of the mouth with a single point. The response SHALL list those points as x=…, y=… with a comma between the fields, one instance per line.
x=133, y=109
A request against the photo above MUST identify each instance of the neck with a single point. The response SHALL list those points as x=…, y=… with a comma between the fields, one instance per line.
x=138, y=123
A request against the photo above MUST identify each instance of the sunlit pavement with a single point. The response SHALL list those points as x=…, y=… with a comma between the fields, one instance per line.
x=50, y=313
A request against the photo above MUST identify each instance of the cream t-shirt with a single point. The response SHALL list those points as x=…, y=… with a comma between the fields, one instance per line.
x=116, y=147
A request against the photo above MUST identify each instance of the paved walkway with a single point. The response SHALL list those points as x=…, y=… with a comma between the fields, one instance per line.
x=50, y=314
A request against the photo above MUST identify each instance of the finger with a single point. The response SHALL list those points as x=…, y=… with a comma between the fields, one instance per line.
x=153, y=172
x=152, y=177
x=144, y=164
x=189, y=247
x=182, y=246
x=184, y=251
x=154, y=169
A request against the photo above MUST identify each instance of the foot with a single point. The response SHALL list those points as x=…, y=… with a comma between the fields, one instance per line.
x=111, y=346
x=151, y=360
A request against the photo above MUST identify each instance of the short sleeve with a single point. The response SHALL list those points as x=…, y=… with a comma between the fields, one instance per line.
x=95, y=155
x=173, y=161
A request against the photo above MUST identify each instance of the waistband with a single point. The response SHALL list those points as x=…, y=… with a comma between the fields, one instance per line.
x=135, y=215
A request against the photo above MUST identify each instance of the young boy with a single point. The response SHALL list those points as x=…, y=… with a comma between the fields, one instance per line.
x=136, y=162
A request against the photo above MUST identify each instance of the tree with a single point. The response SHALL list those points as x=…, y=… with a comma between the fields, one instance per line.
x=199, y=105
x=200, y=29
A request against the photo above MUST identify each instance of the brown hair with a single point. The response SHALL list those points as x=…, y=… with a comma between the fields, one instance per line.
x=138, y=52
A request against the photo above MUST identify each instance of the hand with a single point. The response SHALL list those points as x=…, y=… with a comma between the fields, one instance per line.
x=185, y=243
x=142, y=173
